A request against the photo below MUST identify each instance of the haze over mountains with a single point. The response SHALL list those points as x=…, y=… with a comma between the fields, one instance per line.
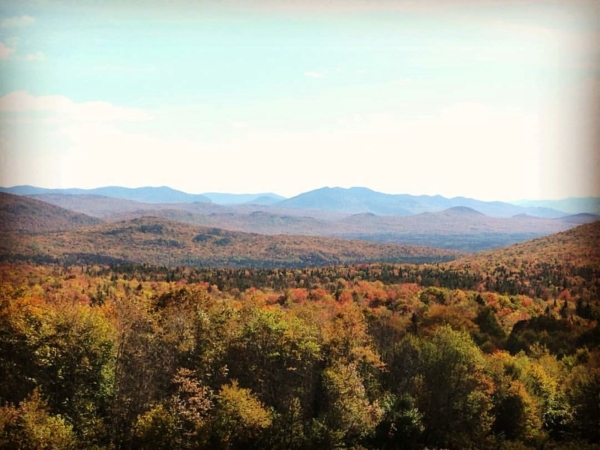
x=362, y=200
x=568, y=205
x=163, y=194
x=357, y=213
x=36, y=231
x=354, y=200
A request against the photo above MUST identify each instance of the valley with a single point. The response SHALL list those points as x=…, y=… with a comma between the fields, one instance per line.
x=127, y=324
x=299, y=225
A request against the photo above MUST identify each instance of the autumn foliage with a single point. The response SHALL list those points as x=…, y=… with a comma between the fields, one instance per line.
x=484, y=353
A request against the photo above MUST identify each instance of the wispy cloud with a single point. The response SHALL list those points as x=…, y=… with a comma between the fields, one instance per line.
x=5, y=51
x=37, y=56
x=313, y=75
x=16, y=22
x=63, y=107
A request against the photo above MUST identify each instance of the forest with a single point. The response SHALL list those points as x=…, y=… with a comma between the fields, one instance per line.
x=299, y=225
x=499, y=350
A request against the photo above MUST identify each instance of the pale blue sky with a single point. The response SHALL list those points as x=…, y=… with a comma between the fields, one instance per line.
x=486, y=99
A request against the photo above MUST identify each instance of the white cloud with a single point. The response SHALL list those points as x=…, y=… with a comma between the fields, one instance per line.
x=313, y=75
x=16, y=22
x=5, y=51
x=63, y=107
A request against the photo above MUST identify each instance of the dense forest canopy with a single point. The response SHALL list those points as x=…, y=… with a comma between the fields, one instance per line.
x=485, y=352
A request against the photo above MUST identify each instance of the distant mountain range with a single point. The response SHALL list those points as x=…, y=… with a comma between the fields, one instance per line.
x=33, y=230
x=160, y=241
x=573, y=205
x=354, y=200
x=238, y=199
x=362, y=200
x=458, y=228
x=162, y=194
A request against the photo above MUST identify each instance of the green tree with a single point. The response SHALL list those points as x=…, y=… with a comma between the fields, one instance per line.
x=277, y=356
x=65, y=350
x=452, y=390
x=349, y=415
x=180, y=422
x=240, y=417
x=32, y=426
x=584, y=395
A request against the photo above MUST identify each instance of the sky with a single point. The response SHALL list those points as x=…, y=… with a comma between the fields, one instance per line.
x=494, y=100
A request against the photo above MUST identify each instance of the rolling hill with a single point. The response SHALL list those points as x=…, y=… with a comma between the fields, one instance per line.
x=94, y=205
x=112, y=208
x=578, y=246
x=162, y=242
x=560, y=266
x=459, y=228
x=453, y=220
x=33, y=216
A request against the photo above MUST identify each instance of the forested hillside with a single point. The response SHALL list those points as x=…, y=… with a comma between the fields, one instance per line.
x=498, y=351
x=20, y=214
x=157, y=241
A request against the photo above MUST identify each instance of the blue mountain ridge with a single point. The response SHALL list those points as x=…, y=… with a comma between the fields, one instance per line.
x=355, y=200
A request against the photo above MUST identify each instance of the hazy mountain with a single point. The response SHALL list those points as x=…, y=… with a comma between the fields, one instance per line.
x=261, y=222
x=351, y=201
x=362, y=200
x=26, y=190
x=580, y=218
x=18, y=213
x=454, y=220
x=354, y=200
x=239, y=199
x=571, y=205
x=268, y=199
x=161, y=194
x=93, y=205
x=460, y=227
x=380, y=217
x=504, y=209
x=113, y=208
